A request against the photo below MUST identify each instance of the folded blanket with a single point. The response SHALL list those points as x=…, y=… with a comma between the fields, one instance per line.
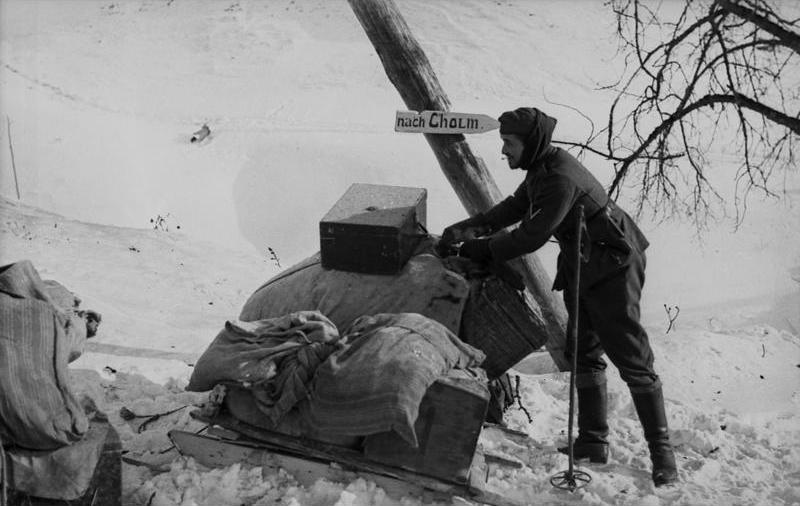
x=275, y=358
x=377, y=381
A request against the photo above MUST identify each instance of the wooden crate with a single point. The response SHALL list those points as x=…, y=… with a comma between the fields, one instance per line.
x=448, y=426
x=373, y=229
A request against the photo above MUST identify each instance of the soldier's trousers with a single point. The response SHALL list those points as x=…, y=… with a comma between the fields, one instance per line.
x=608, y=321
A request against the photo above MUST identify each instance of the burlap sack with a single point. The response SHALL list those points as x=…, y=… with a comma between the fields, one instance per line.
x=423, y=286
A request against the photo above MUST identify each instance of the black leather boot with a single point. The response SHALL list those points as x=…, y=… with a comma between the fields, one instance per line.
x=650, y=408
x=591, y=442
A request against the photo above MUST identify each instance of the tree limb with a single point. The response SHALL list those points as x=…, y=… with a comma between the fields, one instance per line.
x=792, y=123
x=790, y=39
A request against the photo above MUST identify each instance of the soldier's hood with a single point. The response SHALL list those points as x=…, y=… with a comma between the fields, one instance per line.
x=534, y=127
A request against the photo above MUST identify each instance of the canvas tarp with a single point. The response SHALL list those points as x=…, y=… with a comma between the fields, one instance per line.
x=423, y=286
x=274, y=358
x=63, y=474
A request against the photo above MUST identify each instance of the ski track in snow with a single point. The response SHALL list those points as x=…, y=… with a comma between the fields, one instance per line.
x=55, y=89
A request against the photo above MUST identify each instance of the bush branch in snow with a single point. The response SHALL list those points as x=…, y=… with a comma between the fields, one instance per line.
x=274, y=257
x=160, y=223
x=671, y=316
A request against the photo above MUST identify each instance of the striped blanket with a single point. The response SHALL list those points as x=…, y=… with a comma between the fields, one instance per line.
x=37, y=409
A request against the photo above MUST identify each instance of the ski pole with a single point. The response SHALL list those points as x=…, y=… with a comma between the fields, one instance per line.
x=572, y=479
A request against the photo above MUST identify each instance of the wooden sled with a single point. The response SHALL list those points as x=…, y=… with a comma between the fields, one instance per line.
x=229, y=441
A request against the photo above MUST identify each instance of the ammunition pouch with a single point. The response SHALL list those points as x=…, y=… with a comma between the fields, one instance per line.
x=613, y=239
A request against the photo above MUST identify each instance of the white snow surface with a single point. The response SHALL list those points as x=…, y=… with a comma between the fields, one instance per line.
x=102, y=97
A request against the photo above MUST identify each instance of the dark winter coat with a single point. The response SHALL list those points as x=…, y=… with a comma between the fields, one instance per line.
x=545, y=205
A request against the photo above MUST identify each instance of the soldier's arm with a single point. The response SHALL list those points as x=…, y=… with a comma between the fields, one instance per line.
x=509, y=211
x=553, y=201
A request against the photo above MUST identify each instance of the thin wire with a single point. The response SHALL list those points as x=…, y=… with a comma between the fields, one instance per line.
x=13, y=163
x=3, y=466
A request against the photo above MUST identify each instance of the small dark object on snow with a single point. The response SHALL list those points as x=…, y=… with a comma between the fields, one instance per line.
x=201, y=134
x=126, y=414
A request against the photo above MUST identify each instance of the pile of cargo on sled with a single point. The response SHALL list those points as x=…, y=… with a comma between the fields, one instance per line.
x=374, y=355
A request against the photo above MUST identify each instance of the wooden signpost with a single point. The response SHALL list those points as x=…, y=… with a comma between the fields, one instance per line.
x=442, y=122
x=411, y=73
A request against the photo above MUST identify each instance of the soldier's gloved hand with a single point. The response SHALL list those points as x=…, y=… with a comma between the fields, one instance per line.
x=454, y=233
x=464, y=230
x=476, y=250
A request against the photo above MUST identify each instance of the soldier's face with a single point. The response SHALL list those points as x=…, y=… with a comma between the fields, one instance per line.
x=512, y=149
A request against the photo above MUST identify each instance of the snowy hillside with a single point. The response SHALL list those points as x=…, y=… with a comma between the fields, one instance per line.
x=730, y=378
x=101, y=98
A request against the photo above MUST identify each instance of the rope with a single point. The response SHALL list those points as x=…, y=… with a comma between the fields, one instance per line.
x=519, y=399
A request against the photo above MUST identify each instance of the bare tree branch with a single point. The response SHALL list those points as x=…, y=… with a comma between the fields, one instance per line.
x=707, y=101
x=790, y=39
x=718, y=71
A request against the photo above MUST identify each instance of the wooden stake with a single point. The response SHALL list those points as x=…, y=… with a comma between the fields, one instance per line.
x=11, y=148
x=411, y=73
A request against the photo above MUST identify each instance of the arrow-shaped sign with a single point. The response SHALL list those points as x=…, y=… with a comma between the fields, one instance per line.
x=441, y=122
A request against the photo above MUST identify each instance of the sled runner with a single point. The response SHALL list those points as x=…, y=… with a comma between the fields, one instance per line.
x=229, y=441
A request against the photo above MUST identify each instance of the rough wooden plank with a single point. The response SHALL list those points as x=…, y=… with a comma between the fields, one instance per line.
x=325, y=452
x=409, y=69
x=213, y=453
x=448, y=426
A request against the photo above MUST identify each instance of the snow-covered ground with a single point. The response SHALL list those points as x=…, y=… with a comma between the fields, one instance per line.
x=102, y=98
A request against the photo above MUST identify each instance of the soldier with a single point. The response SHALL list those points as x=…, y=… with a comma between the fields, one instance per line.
x=610, y=285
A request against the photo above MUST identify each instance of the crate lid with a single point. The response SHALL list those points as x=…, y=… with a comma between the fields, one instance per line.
x=374, y=204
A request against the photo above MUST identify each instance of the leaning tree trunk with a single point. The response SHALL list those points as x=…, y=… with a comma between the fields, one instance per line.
x=411, y=73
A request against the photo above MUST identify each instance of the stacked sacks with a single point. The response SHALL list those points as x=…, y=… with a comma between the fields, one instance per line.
x=370, y=381
x=463, y=303
x=423, y=286
x=482, y=306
